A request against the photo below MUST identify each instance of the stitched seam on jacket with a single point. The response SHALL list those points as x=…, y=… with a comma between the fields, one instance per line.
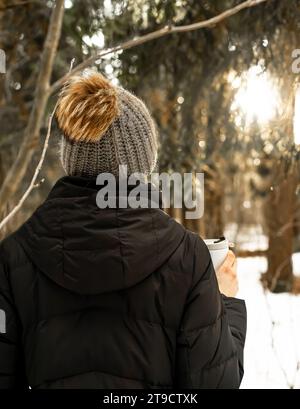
x=197, y=240
x=105, y=373
x=194, y=262
x=201, y=279
x=156, y=296
x=121, y=247
x=63, y=244
x=155, y=233
x=205, y=326
x=18, y=265
x=234, y=355
x=21, y=265
x=97, y=308
x=167, y=262
x=188, y=360
x=207, y=368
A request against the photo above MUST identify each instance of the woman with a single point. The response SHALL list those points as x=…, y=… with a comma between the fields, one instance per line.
x=114, y=297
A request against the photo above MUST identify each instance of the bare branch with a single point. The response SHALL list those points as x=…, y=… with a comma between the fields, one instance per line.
x=154, y=35
x=34, y=184
x=32, y=131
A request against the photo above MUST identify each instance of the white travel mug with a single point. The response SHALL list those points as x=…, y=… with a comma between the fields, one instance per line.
x=218, y=249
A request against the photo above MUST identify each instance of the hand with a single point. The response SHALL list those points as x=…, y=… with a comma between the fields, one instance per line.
x=227, y=276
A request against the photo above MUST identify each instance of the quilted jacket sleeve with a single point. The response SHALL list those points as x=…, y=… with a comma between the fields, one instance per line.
x=11, y=363
x=211, y=338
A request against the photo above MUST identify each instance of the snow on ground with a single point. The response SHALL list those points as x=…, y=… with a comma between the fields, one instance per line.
x=272, y=352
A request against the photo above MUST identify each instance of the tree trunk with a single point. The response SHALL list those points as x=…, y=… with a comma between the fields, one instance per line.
x=280, y=211
x=214, y=204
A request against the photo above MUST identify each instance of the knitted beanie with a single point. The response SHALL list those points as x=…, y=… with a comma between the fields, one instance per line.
x=104, y=126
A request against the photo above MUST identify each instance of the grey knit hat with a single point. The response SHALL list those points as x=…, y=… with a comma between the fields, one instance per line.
x=104, y=126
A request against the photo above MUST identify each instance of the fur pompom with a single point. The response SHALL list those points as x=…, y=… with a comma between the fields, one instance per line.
x=86, y=107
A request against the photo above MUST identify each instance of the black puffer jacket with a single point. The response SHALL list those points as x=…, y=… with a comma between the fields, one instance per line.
x=113, y=298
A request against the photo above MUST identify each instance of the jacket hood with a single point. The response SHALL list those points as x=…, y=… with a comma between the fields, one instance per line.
x=89, y=250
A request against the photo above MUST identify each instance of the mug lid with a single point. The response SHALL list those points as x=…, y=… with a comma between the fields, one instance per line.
x=217, y=244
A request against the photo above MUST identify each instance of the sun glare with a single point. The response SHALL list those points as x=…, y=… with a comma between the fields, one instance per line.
x=257, y=98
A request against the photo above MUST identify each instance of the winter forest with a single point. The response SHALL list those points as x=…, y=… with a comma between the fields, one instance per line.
x=222, y=80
